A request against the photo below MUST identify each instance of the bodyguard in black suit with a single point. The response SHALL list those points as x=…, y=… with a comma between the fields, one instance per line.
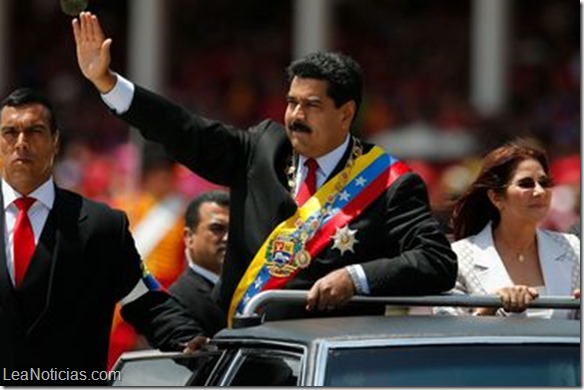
x=393, y=246
x=56, y=307
x=205, y=238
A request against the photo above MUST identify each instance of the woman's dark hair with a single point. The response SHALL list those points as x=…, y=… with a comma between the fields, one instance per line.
x=344, y=75
x=474, y=209
x=23, y=96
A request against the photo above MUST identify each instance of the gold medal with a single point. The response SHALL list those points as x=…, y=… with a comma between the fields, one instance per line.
x=303, y=258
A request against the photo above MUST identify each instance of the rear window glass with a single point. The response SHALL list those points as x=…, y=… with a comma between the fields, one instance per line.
x=456, y=365
x=267, y=368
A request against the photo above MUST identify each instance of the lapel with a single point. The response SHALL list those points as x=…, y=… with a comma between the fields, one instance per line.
x=58, y=247
x=487, y=263
x=556, y=268
x=555, y=265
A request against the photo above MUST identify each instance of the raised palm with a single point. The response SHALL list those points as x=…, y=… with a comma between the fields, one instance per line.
x=93, y=50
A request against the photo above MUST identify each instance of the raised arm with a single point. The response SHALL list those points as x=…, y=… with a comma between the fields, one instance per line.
x=93, y=52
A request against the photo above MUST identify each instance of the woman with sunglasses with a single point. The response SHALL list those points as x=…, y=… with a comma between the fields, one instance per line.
x=499, y=246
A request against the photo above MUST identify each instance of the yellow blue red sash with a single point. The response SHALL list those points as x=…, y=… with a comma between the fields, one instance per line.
x=293, y=243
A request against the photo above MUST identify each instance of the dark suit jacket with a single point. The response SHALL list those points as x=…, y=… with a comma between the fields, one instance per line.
x=194, y=292
x=60, y=316
x=401, y=247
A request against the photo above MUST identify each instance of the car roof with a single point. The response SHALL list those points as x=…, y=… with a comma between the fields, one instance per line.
x=307, y=331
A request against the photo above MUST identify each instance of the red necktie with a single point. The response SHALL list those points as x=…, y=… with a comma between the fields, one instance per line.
x=23, y=239
x=308, y=187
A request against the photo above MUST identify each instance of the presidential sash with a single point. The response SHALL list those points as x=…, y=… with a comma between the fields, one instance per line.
x=295, y=242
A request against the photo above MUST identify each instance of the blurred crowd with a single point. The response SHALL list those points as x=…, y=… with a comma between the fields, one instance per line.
x=225, y=59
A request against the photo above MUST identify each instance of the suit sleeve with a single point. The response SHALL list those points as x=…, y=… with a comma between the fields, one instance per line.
x=460, y=288
x=162, y=320
x=425, y=263
x=210, y=148
x=200, y=306
x=145, y=305
x=467, y=282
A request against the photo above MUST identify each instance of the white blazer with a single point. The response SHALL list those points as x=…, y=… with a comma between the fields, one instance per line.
x=481, y=270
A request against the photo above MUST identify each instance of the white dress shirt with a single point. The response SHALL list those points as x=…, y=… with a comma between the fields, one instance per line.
x=204, y=272
x=326, y=164
x=37, y=214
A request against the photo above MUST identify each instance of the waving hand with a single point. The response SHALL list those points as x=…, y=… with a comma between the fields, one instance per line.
x=93, y=51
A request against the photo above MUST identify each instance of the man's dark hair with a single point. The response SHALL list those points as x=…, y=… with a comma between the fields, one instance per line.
x=192, y=216
x=343, y=74
x=23, y=96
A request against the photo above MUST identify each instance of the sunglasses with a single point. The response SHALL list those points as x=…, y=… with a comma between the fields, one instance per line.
x=529, y=183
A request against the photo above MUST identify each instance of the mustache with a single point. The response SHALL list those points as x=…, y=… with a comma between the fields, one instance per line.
x=299, y=127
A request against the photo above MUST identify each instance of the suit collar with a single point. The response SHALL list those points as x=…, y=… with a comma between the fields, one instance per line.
x=488, y=263
x=493, y=273
x=343, y=161
x=45, y=194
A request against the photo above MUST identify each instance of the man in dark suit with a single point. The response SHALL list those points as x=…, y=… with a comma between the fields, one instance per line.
x=66, y=262
x=205, y=238
x=311, y=206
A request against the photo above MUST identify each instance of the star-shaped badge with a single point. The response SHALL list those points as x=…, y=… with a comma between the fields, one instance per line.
x=344, y=239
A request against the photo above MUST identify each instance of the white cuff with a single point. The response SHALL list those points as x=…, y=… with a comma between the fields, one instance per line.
x=120, y=97
x=359, y=279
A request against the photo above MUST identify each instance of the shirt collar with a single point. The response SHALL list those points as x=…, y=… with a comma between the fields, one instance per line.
x=210, y=276
x=45, y=194
x=329, y=161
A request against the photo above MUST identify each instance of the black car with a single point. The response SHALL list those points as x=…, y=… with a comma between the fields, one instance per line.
x=415, y=350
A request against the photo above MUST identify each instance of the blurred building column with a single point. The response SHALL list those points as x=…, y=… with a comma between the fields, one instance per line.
x=489, y=61
x=4, y=46
x=146, y=53
x=312, y=24
x=146, y=36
